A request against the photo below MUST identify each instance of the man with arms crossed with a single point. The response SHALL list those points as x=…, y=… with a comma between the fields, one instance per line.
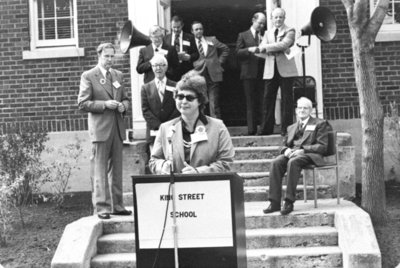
x=102, y=95
x=306, y=143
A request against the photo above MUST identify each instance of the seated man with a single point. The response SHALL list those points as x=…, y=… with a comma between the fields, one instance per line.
x=158, y=103
x=305, y=143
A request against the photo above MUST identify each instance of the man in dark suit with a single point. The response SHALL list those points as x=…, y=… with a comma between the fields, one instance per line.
x=158, y=103
x=251, y=70
x=102, y=94
x=306, y=143
x=278, y=72
x=157, y=46
x=184, y=45
x=212, y=54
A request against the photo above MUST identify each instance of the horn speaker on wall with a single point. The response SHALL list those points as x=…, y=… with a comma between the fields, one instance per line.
x=131, y=37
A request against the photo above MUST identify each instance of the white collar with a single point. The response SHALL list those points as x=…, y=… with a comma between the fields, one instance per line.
x=305, y=121
x=103, y=71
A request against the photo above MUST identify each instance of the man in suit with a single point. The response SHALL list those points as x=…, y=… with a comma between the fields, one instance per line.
x=212, y=54
x=158, y=103
x=184, y=45
x=157, y=46
x=278, y=72
x=102, y=95
x=251, y=70
x=306, y=143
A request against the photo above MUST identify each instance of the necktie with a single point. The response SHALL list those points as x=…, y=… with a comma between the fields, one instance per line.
x=201, y=50
x=109, y=79
x=276, y=34
x=176, y=43
x=156, y=49
x=160, y=89
x=257, y=38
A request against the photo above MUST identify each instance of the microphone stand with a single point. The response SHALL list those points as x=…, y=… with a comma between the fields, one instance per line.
x=174, y=226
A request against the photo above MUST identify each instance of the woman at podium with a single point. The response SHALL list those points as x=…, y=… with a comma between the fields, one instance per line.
x=193, y=142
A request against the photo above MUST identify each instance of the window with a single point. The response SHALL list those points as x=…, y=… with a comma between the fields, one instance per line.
x=53, y=29
x=390, y=29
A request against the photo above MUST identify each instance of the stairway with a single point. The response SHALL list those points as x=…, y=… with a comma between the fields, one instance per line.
x=305, y=238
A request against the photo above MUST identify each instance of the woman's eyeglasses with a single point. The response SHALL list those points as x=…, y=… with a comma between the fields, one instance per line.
x=187, y=97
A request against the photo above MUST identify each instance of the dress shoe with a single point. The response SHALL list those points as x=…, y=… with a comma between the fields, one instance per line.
x=272, y=208
x=287, y=208
x=122, y=213
x=104, y=216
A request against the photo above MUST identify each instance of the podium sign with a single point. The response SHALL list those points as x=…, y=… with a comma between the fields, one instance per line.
x=209, y=218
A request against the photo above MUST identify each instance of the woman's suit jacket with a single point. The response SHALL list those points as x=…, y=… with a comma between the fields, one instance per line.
x=92, y=97
x=276, y=50
x=155, y=112
x=211, y=155
x=314, y=141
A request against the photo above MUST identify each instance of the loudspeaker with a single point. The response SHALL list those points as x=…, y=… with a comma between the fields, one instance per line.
x=131, y=37
x=322, y=24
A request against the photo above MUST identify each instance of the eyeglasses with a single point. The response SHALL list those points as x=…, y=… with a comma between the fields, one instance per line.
x=188, y=97
x=158, y=65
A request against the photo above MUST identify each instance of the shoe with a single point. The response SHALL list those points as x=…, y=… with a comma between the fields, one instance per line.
x=272, y=208
x=122, y=213
x=287, y=208
x=104, y=216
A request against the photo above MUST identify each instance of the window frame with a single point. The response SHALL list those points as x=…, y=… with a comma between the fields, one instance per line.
x=55, y=48
x=387, y=32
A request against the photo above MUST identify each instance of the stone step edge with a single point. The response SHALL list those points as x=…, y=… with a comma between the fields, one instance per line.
x=271, y=148
x=262, y=253
x=271, y=232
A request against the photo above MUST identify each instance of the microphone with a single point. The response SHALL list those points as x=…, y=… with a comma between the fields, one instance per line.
x=170, y=155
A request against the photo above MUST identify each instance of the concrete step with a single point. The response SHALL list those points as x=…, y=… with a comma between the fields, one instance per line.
x=250, y=165
x=116, y=243
x=304, y=215
x=114, y=260
x=292, y=237
x=263, y=152
x=255, y=238
x=254, y=141
x=301, y=257
x=261, y=193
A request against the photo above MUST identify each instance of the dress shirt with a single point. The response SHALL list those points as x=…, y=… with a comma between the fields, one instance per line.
x=161, y=87
x=304, y=122
x=256, y=35
x=104, y=71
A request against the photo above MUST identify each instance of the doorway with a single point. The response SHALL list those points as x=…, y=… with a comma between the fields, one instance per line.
x=224, y=19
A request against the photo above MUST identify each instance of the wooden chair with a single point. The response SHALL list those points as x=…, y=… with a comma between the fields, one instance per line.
x=332, y=151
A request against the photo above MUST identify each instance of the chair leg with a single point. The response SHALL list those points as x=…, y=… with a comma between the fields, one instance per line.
x=315, y=190
x=304, y=187
x=337, y=185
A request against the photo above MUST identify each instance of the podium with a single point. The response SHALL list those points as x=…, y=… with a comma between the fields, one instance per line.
x=209, y=218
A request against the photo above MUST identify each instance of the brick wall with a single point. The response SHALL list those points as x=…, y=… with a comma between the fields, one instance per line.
x=340, y=94
x=45, y=90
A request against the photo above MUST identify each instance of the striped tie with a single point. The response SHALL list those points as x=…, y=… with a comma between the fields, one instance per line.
x=201, y=50
x=176, y=43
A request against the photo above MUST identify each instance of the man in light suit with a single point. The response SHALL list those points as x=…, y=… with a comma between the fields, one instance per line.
x=157, y=46
x=306, y=143
x=212, y=55
x=278, y=72
x=102, y=95
x=185, y=46
x=251, y=70
x=158, y=103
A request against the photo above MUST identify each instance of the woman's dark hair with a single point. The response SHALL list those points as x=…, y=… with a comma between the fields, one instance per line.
x=196, y=83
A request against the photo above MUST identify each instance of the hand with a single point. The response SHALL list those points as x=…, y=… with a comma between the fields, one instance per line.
x=166, y=167
x=253, y=49
x=188, y=169
x=296, y=153
x=121, y=107
x=112, y=104
x=183, y=56
x=288, y=152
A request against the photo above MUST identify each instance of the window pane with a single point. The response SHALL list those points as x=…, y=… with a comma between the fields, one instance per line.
x=49, y=31
x=48, y=8
x=63, y=8
x=64, y=28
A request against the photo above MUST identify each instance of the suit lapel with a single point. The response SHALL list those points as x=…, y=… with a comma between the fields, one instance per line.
x=307, y=134
x=177, y=142
x=194, y=145
x=154, y=93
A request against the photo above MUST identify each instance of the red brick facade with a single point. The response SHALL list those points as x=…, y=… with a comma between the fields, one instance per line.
x=339, y=89
x=45, y=90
